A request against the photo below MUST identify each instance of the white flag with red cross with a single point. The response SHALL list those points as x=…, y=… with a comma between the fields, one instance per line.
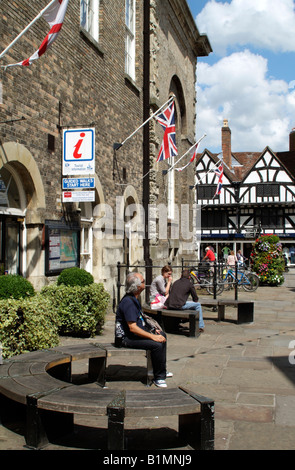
x=54, y=14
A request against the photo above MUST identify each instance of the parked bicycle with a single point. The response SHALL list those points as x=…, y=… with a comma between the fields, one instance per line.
x=246, y=279
x=203, y=276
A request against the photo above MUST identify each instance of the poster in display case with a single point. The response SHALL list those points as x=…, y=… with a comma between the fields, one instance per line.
x=62, y=247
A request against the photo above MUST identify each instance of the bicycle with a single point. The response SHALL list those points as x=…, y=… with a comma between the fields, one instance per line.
x=247, y=280
x=204, y=279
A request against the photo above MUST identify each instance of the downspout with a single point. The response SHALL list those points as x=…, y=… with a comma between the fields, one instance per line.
x=146, y=139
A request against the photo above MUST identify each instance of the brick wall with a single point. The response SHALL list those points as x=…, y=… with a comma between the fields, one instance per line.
x=88, y=81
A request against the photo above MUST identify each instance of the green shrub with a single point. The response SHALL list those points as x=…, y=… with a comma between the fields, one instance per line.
x=81, y=310
x=27, y=325
x=75, y=277
x=267, y=260
x=13, y=286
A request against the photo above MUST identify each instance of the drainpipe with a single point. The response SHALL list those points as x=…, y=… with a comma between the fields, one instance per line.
x=146, y=138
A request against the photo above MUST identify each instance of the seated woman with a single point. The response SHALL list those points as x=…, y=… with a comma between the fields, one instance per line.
x=160, y=288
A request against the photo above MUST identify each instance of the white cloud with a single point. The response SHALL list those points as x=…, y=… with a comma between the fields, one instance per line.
x=260, y=110
x=260, y=23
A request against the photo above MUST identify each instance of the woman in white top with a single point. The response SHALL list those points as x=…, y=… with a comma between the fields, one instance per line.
x=161, y=284
x=231, y=260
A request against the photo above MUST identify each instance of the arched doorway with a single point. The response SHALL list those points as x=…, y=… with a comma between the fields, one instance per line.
x=12, y=214
x=22, y=203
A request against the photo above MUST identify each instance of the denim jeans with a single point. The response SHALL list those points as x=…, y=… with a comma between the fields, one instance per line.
x=189, y=305
x=158, y=353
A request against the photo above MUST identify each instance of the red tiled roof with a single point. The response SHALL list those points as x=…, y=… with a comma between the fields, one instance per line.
x=246, y=159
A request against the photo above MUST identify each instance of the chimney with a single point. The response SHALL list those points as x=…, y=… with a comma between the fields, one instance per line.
x=226, y=143
x=292, y=140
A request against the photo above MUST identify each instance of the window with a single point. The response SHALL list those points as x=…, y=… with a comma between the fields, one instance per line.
x=89, y=12
x=10, y=196
x=269, y=217
x=206, y=191
x=130, y=38
x=213, y=219
x=267, y=190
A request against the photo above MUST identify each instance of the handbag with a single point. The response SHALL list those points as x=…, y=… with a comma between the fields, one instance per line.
x=151, y=323
x=158, y=302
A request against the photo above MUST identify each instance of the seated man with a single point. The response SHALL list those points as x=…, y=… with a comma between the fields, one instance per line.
x=178, y=296
x=134, y=332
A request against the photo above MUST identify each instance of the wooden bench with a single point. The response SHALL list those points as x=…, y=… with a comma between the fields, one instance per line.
x=195, y=412
x=245, y=308
x=169, y=319
x=114, y=351
x=51, y=402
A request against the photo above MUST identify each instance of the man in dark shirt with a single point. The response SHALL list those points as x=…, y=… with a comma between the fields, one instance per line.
x=178, y=296
x=134, y=333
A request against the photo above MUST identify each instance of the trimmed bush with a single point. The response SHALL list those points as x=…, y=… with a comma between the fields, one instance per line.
x=75, y=277
x=13, y=286
x=81, y=310
x=27, y=325
x=268, y=261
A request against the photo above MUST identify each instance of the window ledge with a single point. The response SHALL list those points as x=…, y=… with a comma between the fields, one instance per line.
x=91, y=40
x=131, y=83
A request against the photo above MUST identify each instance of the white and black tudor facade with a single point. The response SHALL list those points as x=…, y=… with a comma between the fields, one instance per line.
x=257, y=196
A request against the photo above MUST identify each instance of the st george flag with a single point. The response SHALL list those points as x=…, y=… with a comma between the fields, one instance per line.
x=219, y=172
x=54, y=15
x=166, y=119
x=193, y=153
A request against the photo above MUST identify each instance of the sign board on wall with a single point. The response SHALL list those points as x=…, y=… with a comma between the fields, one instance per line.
x=78, y=152
x=78, y=196
x=78, y=183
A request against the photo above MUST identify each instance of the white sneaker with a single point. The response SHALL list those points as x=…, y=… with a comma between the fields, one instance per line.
x=169, y=374
x=160, y=383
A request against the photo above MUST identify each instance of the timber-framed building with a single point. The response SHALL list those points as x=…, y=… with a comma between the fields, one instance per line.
x=257, y=196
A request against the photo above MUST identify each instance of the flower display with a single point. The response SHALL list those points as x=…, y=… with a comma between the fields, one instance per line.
x=267, y=260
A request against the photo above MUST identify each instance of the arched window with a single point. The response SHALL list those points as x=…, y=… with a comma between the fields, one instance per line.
x=180, y=128
x=11, y=192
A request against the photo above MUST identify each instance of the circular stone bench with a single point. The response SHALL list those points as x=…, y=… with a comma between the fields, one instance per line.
x=51, y=401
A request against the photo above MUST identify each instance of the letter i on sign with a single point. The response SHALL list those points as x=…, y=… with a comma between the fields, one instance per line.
x=76, y=153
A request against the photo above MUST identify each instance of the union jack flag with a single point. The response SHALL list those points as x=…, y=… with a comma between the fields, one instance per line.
x=219, y=172
x=166, y=119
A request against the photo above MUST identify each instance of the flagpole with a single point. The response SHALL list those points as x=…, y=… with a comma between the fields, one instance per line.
x=196, y=143
x=26, y=28
x=117, y=146
x=209, y=171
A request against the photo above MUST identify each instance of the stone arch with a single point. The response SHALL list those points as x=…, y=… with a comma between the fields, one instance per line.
x=18, y=157
x=180, y=106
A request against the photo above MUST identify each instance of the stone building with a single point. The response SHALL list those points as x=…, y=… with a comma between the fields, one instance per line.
x=112, y=66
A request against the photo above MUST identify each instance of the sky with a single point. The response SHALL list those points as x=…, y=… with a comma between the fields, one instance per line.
x=249, y=78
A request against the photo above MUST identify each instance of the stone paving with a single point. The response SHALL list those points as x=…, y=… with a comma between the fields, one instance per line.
x=247, y=369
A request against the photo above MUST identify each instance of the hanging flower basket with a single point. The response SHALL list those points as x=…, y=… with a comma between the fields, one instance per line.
x=267, y=260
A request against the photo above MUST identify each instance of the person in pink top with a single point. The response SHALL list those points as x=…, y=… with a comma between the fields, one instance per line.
x=231, y=260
